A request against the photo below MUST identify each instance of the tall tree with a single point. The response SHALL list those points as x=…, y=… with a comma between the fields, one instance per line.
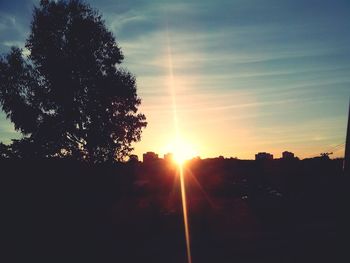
x=70, y=96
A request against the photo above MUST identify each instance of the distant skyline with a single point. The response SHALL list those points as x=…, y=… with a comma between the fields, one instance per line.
x=248, y=76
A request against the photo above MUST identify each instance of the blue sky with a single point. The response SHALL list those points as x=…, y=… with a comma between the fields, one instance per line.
x=249, y=76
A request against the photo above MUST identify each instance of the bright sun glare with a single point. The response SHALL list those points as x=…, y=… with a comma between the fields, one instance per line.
x=182, y=151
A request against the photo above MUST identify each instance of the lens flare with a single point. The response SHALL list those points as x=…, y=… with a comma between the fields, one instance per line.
x=184, y=210
x=180, y=154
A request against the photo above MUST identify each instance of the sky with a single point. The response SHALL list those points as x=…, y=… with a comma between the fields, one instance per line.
x=244, y=76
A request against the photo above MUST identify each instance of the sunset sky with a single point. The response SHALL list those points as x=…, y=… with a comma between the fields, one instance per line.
x=246, y=75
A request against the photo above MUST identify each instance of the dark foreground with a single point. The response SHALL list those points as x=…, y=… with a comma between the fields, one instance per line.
x=239, y=211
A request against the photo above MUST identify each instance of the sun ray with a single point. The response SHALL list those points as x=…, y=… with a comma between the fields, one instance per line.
x=179, y=152
x=184, y=210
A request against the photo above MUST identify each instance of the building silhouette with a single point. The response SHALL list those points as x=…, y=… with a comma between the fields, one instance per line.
x=150, y=157
x=263, y=156
x=287, y=155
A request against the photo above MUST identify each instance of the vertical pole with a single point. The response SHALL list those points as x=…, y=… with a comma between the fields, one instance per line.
x=347, y=147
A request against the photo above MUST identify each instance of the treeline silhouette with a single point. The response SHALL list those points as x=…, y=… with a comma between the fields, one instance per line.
x=243, y=211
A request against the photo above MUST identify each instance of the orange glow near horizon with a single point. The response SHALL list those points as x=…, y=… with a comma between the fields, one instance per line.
x=181, y=150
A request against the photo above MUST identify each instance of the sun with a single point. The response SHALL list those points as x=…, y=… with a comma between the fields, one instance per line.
x=182, y=151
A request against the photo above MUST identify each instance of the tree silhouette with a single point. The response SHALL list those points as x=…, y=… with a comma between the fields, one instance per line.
x=69, y=96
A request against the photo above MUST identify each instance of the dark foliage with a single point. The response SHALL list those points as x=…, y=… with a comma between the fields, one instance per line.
x=70, y=97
